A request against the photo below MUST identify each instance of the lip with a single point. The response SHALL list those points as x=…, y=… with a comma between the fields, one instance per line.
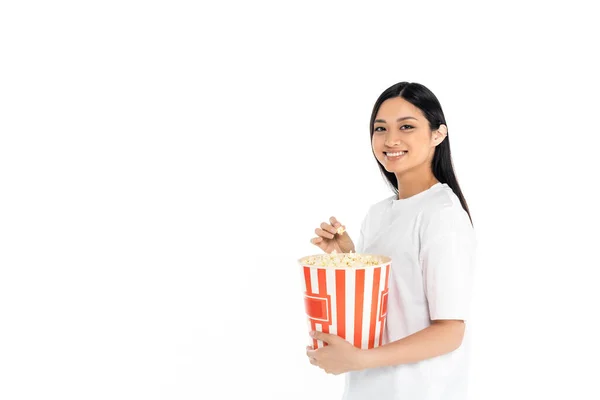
x=394, y=158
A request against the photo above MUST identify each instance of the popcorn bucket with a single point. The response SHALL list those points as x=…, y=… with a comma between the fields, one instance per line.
x=347, y=301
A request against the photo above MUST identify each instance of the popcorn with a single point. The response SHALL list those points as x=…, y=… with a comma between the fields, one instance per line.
x=348, y=260
x=341, y=230
x=335, y=286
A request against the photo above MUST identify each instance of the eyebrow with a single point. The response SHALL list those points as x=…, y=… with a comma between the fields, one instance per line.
x=398, y=120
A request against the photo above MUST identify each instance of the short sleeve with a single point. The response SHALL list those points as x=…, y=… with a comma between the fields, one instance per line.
x=447, y=258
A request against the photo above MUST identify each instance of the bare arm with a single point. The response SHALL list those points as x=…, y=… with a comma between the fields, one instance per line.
x=441, y=337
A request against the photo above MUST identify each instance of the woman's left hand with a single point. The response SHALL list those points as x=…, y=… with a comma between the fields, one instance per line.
x=337, y=357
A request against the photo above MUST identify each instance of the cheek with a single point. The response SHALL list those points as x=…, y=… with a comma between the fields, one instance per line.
x=418, y=147
x=378, y=140
x=375, y=144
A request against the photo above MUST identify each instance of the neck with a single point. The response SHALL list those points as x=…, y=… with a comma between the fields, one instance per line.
x=411, y=184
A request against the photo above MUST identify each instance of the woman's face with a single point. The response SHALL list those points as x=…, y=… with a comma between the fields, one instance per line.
x=402, y=140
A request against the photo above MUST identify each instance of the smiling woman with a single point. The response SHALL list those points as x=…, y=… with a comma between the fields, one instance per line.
x=426, y=230
x=409, y=137
x=393, y=140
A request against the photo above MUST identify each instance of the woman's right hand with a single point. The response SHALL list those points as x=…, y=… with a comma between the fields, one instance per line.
x=329, y=240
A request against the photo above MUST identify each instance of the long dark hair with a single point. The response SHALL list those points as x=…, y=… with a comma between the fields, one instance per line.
x=441, y=165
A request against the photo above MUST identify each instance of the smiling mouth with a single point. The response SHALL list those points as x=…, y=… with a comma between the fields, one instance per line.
x=395, y=155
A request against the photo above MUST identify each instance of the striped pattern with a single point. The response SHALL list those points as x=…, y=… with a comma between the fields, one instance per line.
x=350, y=303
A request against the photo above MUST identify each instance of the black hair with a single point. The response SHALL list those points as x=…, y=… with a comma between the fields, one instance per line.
x=441, y=165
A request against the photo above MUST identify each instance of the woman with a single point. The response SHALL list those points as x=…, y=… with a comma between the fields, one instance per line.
x=427, y=230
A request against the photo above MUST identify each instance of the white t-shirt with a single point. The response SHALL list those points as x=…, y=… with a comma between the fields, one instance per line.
x=432, y=245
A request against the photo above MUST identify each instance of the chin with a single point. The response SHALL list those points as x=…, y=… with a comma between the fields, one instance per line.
x=395, y=171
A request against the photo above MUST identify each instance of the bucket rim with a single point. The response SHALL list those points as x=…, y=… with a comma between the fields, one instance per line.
x=386, y=260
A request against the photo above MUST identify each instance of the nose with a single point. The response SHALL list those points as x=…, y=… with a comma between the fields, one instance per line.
x=391, y=143
x=391, y=140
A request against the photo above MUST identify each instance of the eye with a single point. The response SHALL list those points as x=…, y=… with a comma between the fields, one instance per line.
x=377, y=127
x=409, y=127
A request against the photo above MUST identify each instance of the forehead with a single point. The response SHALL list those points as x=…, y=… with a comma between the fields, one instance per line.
x=398, y=107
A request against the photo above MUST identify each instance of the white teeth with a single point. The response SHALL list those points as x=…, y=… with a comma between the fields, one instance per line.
x=396, y=154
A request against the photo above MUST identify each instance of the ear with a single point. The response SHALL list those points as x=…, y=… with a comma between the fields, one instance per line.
x=440, y=134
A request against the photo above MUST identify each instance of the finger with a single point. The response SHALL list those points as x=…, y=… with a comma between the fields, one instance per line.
x=336, y=224
x=339, y=228
x=326, y=227
x=324, y=234
x=310, y=353
x=316, y=241
x=313, y=361
x=325, y=337
x=320, y=243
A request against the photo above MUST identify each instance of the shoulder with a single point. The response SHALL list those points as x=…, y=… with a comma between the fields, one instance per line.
x=380, y=207
x=376, y=213
x=443, y=214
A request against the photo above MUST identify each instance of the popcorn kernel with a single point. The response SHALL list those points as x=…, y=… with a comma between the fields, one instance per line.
x=343, y=260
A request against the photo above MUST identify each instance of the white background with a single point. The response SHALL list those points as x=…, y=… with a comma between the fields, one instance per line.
x=164, y=164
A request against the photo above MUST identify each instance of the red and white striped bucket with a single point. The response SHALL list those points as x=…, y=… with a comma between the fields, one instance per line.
x=350, y=302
